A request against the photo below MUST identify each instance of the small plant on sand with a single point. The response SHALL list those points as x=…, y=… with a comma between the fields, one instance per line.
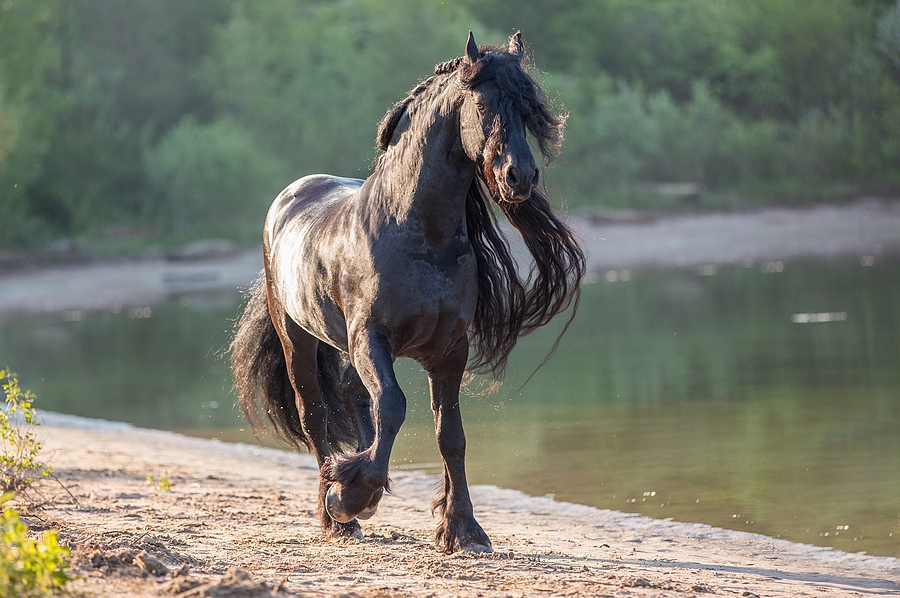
x=18, y=460
x=163, y=484
x=29, y=567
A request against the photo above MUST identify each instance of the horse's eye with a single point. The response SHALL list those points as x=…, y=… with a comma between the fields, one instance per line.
x=480, y=106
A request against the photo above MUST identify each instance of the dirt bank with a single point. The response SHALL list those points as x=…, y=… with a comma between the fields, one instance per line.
x=249, y=508
x=866, y=228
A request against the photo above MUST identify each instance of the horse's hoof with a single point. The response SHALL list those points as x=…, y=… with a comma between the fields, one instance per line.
x=368, y=512
x=476, y=549
x=334, y=508
x=345, y=531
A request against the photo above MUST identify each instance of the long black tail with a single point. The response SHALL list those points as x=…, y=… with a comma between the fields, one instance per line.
x=261, y=378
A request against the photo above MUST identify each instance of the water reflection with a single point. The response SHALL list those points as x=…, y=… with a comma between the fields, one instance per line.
x=691, y=394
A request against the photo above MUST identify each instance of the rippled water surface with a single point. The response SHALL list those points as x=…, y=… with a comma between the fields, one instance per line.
x=762, y=397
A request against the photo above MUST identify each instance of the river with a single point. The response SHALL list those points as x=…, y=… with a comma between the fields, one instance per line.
x=761, y=395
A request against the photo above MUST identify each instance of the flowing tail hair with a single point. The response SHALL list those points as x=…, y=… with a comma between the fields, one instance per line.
x=261, y=378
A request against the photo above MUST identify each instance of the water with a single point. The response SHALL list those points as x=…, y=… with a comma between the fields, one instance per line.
x=762, y=398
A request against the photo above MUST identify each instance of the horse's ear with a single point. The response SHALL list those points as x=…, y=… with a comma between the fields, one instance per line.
x=516, y=45
x=472, y=52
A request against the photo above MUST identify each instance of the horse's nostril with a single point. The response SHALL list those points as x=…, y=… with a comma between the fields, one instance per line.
x=537, y=176
x=511, y=177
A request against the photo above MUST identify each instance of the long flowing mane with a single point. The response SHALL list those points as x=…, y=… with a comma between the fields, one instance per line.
x=509, y=305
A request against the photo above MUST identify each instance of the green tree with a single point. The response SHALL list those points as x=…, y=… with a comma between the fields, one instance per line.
x=312, y=79
x=29, y=102
x=758, y=100
x=213, y=180
x=761, y=99
x=85, y=86
x=888, y=36
x=130, y=79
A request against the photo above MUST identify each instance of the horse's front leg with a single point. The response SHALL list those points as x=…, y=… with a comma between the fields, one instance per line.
x=457, y=529
x=359, y=403
x=357, y=482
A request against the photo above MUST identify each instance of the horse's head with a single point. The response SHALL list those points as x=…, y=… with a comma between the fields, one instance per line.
x=500, y=104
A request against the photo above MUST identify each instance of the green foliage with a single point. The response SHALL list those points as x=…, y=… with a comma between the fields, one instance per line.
x=764, y=101
x=18, y=459
x=163, y=484
x=30, y=101
x=628, y=140
x=88, y=85
x=313, y=79
x=29, y=567
x=888, y=36
x=213, y=179
x=183, y=119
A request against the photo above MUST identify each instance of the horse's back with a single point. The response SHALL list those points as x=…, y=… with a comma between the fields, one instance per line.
x=308, y=198
x=303, y=241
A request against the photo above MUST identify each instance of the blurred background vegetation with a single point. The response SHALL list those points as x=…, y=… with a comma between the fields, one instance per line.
x=170, y=119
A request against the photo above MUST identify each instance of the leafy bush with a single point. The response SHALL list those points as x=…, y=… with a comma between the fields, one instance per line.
x=214, y=179
x=18, y=460
x=625, y=142
x=29, y=567
x=164, y=484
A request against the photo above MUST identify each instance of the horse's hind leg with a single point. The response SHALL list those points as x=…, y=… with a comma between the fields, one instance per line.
x=300, y=352
x=457, y=529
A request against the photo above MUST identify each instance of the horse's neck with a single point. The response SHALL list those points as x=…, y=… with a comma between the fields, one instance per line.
x=424, y=177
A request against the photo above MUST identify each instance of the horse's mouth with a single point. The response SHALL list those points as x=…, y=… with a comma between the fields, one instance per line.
x=509, y=195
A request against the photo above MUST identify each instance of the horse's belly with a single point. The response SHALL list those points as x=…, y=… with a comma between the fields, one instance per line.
x=325, y=321
x=306, y=299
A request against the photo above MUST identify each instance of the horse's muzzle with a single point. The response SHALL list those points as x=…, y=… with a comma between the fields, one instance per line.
x=519, y=182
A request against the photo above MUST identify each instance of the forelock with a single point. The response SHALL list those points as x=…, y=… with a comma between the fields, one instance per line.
x=499, y=65
x=510, y=73
x=520, y=93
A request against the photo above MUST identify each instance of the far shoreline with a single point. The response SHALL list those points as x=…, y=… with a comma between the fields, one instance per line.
x=866, y=229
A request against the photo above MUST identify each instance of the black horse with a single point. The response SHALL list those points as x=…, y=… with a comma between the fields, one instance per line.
x=408, y=263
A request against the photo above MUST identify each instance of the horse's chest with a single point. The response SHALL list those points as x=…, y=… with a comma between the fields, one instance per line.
x=431, y=286
x=426, y=297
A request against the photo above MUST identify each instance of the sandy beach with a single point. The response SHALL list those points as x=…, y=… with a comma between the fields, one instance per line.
x=240, y=507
